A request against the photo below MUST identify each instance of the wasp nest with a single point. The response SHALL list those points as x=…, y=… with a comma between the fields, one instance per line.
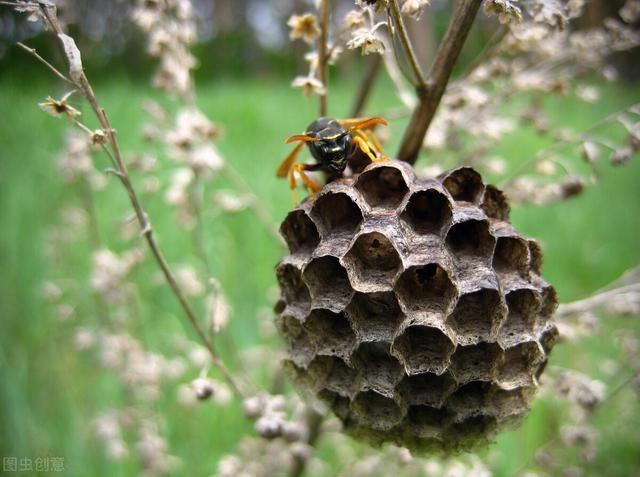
x=413, y=309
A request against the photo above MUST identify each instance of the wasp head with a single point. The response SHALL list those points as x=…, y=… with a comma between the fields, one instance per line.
x=333, y=151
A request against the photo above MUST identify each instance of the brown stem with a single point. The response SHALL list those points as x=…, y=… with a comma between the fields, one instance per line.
x=325, y=8
x=82, y=83
x=396, y=15
x=366, y=85
x=430, y=96
x=314, y=427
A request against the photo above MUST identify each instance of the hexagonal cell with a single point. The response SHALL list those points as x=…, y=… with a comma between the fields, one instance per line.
x=549, y=300
x=477, y=316
x=293, y=288
x=426, y=421
x=331, y=333
x=332, y=373
x=464, y=184
x=374, y=316
x=372, y=262
x=427, y=211
x=548, y=337
x=423, y=349
x=380, y=371
x=519, y=365
x=535, y=256
x=427, y=389
x=382, y=186
x=302, y=350
x=469, y=400
x=471, y=432
x=476, y=362
x=426, y=289
x=495, y=204
x=507, y=404
x=523, y=305
x=336, y=213
x=299, y=231
x=338, y=404
x=471, y=238
x=328, y=283
x=511, y=254
x=377, y=411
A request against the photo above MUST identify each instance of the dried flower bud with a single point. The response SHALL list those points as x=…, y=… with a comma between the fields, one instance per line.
x=304, y=27
x=203, y=388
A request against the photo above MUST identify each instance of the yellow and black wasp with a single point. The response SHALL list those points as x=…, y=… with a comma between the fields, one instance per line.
x=333, y=144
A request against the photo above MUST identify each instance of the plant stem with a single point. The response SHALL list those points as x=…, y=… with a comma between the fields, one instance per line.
x=325, y=8
x=394, y=10
x=82, y=83
x=438, y=78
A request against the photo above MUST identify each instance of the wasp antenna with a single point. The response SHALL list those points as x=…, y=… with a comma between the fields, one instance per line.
x=303, y=138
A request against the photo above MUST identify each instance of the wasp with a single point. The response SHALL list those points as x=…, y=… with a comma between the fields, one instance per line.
x=333, y=143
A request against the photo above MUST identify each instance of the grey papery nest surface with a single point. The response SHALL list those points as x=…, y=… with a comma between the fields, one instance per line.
x=413, y=309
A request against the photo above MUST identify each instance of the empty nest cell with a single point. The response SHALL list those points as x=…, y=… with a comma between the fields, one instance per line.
x=471, y=239
x=330, y=332
x=519, y=365
x=328, y=283
x=426, y=421
x=299, y=231
x=336, y=214
x=495, y=204
x=426, y=289
x=423, y=349
x=428, y=389
x=523, y=305
x=374, y=316
x=464, y=184
x=476, y=362
x=376, y=411
x=511, y=254
x=382, y=186
x=331, y=372
x=427, y=212
x=469, y=400
x=380, y=371
x=293, y=288
x=477, y=316
x=372, y=262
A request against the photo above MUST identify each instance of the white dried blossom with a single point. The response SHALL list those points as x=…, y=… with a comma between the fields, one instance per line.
x=83, y=339
x=304, y=27
x=589, y=94
x=414, y=8
x=309, y=85
x=218, y=308
x=187, y=278
x=230, y=201
x=354, y=19
x=506, y=10
x=203, y=388
x=368, y=40
x=50, y=291
x=60, y=107
x=630, y=12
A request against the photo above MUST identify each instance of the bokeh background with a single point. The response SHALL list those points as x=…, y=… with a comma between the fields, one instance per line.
x=50, y=392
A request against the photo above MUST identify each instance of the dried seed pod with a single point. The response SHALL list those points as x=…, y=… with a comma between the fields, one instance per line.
x=413, y=309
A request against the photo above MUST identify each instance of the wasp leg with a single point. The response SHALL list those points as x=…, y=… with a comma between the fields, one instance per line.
x=361, y=140
x=310, y=184
x=373, y=140
x=284, y=168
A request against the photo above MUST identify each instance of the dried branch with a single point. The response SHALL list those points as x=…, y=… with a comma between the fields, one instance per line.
x=32, y=51
x=323, y=57
x=437, y=80
x=394, y=11
x=80, y=81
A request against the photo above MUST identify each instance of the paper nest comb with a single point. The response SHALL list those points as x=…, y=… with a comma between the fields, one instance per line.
x=413, y=309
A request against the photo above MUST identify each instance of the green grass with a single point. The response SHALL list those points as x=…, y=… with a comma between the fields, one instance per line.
x=50, y=392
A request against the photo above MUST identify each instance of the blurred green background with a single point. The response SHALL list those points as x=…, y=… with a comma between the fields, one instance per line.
x=49, y=392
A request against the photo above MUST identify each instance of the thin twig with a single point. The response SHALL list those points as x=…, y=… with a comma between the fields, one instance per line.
x=32, y=51
x=366, y=86
x=446, y=58
x=394, y=11
x=82, y=83
x=325, y=9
